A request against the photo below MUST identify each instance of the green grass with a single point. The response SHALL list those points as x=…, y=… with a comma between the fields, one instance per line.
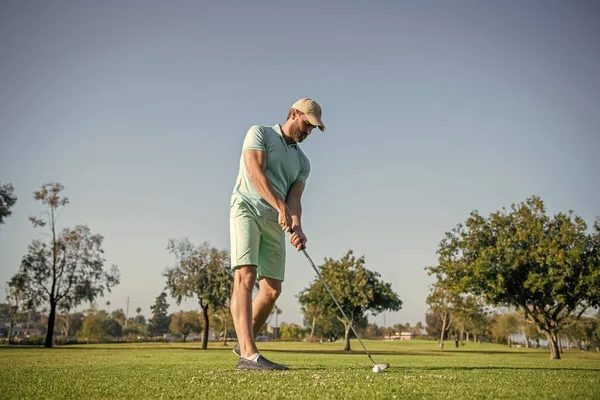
x=419, y=370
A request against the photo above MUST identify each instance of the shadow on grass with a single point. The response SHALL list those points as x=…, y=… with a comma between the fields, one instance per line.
x=430, y=353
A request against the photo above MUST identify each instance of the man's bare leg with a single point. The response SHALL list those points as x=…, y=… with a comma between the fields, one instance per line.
x=269, y=291
x=241, y=308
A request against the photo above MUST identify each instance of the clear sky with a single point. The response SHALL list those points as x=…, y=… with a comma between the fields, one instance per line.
x=433, y=109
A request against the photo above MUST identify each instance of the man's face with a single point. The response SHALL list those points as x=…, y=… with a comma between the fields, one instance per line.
x=300, y=128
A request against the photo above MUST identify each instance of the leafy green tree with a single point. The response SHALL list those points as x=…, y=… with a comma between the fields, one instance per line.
x=317, y=314
x=357, y=289
x=222, y=322
x=92, y=328
x=374, y=331
x=532, y=333
x=445, y=302
x=433, y=324
x=467, y=316
x=119, y=315
x=18, y=302
x=291, y=332
x=111, y=327
x=583, y=332
x=547, y=266
x=7, y=200
x=159, y=323
x=185, y=322
x=67, y=270
x=70, y=324
x=203, y=272
x=503, y=326
x=399, y=328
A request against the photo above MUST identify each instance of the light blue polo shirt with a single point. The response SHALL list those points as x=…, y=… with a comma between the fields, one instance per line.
x=285, y=165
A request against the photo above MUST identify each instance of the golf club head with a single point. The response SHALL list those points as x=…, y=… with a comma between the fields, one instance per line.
x=383, y=366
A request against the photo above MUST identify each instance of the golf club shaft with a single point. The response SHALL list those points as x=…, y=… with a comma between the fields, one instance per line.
x=338, y=304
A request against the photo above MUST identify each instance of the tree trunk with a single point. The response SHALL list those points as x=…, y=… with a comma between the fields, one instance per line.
x=225, y=332
x=527, y=341
x=553, y=344
x=184, y=337
x=312, y=330
x=444, y=317
x=462, y=333
x=10, y=332
x=50, y=332
x=468, y=336
x=560, y=347
x=205, y=336
x=347, y=337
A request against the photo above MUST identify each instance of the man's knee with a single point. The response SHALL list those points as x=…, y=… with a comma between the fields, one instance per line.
x=270, y=289
x=244, y=277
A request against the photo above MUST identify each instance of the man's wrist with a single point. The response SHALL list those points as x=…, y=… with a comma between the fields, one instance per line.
x=297, y=228
x=281, y=206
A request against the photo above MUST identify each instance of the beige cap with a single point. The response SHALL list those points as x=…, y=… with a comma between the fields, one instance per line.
x=312, y=110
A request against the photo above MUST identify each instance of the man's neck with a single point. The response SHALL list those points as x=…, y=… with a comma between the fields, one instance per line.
x=284, y=132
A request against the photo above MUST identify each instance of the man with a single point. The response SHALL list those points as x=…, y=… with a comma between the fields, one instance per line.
x=265, y=204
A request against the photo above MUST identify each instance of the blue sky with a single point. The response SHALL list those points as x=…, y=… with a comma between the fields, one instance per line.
x=433, y=109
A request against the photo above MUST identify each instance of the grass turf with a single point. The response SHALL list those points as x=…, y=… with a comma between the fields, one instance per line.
x=319, y=370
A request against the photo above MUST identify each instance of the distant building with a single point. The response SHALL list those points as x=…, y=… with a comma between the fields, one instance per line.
x=402, y=336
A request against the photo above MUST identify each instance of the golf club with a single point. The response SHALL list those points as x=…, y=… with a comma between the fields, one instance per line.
x=376, y=367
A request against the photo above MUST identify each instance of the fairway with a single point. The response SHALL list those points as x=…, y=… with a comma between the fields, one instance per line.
x=320, y=370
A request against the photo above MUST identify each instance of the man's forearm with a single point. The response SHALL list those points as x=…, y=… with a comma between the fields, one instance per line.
x=265, y=189
x=295, y=207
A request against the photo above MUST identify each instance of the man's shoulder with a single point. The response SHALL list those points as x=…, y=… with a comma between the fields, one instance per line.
x=264, y=129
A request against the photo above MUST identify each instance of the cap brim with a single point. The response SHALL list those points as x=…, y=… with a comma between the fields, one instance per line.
x=316, y=122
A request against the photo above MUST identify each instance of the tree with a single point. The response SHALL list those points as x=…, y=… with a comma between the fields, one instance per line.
x=7, y=200
x=444, y=302
x=92, y=328
x=357, y=289
x=291, y=332
x=221, y=321
x=311, y=316
x=374, y=331
x=468, y=315
x=531, y=332
x=68, y=269
x=433, y=323
x=547, y=266
x=159, y=323
x=69, y=324
x=119, y=315
x=185, y=322
x=503, y=326
x=321, y=320
x=18, y=302
x=203, y=272
x=112, y=327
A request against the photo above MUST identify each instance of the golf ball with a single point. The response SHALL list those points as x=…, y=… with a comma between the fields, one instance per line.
x=376, y=369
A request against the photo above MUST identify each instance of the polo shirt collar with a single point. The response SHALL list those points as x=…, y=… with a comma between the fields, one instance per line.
x=277, y=128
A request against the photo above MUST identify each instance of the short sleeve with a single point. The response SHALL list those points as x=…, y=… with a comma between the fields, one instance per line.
x=305, y=171
x=256, y=139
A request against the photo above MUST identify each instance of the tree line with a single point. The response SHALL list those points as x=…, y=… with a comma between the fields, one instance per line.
x=547, y=268
x=67, y=271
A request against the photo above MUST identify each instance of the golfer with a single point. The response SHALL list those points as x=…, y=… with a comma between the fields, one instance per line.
x=265, y=204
